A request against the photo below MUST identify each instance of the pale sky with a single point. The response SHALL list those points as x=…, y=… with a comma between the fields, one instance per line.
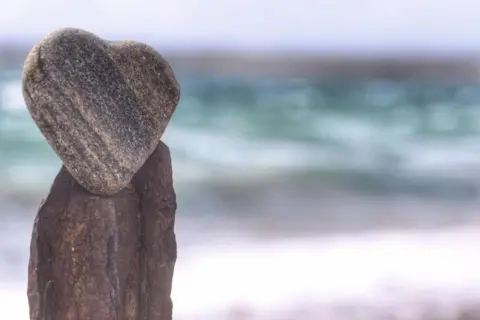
x=297, y=24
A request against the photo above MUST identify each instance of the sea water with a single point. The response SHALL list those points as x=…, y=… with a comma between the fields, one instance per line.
x=299, y=198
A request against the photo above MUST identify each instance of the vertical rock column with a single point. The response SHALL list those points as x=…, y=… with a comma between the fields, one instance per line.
x=103, y=243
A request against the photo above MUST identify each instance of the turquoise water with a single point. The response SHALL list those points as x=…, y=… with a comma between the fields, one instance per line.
x=420, y=137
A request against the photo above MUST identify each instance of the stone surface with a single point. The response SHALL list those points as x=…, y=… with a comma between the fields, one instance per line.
x=105, y=257
x=102, y=106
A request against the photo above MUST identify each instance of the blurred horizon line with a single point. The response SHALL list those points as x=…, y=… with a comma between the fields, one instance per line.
x=397, y=65
x=343, y=51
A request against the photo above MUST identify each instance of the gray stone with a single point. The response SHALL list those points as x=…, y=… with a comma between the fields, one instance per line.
x=102, y=106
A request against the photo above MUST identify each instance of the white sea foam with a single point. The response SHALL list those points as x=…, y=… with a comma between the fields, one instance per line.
x=11, y=97
x=402, y=273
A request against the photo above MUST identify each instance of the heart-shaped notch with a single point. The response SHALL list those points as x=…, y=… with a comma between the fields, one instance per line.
x=102, y=106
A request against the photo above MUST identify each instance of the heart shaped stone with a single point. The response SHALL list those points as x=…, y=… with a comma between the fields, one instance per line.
x=102, y=106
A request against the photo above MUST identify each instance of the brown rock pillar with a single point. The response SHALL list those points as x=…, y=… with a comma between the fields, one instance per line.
x=111, y=257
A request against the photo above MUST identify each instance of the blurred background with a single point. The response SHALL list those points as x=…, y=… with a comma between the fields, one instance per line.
x=325, y=153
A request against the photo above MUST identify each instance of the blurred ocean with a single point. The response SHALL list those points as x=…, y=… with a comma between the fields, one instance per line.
x=299, y=197
x=416, y=137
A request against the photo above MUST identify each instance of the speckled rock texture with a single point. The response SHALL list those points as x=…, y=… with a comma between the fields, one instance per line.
x=102, y=106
